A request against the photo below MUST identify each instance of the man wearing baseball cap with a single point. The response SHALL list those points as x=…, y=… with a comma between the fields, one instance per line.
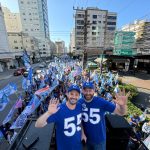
x=67, y=117
x=93, y=115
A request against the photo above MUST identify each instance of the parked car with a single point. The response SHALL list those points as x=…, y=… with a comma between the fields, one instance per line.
x=19, y=71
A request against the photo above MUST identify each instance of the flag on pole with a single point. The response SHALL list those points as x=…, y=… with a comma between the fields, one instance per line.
x=19, y=102
x=11, y=88
x=29, y=109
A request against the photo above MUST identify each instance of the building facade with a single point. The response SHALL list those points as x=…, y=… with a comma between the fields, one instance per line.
x=94, y=29
x=5, y=52
x=34, y=19
x=12, y=20
x=19, y=41
x=60, y=47
x=142, y=35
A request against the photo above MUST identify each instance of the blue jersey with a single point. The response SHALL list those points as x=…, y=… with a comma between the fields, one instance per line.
x=93, y=115
x=68, y=127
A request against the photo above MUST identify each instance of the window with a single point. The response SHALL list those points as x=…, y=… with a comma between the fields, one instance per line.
x=99, y=21
x=94, y=16
x=29, y=13
x=93, y=28
x=79, y=27
x=93, y=38
x=26, y=29
x=30, y=19
x=21, y=2
x=93, y=33
x=31, y=29
x=112, y=17
x=44, y=52
x=80, y=22
x=94, y=22
x=111, y=28
x=16, y=47
x=23, y=13
x=15, y=41
x=24, y=19
x=111, y=23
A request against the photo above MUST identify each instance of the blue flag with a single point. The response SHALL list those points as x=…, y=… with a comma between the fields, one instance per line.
x=24, y=83
x=11, y=88
x=29, y=109
x=26, y=60
x=3, y=102
x=29, y=78
x=10, y=115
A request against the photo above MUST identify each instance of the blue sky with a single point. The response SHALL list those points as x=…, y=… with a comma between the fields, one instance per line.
x=61, y=12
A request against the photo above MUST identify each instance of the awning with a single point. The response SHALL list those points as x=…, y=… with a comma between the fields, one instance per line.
x=99, y=60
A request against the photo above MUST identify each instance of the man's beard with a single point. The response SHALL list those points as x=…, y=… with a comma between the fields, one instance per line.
x=89, y=97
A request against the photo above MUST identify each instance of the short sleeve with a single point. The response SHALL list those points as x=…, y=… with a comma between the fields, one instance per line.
x=108, y=106
x=53, y=118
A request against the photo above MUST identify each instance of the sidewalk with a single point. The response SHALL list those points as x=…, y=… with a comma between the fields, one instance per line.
x=140, y=80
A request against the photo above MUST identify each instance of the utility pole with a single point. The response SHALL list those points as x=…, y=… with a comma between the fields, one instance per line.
x=84, y=56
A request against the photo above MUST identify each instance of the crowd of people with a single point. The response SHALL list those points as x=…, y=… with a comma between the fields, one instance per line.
x=97, y=94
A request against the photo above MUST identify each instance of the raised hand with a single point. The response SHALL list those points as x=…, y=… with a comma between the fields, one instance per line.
x=122, y=98
x=53, y=106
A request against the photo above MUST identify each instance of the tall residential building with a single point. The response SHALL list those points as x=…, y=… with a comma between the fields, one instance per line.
x=142, y=35
x=60, y=47
x=94, y=29
x=12, y=20
x=5, y=53
x=72, y=41
x=34, y=18
x=124, y=43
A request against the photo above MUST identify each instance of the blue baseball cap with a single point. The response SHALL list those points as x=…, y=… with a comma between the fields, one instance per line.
x=74, y=87
x=89, y=85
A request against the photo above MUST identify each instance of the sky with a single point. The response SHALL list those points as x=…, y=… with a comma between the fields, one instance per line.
x=60, y=13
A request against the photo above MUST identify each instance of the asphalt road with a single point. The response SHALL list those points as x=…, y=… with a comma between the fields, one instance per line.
x=6, y=78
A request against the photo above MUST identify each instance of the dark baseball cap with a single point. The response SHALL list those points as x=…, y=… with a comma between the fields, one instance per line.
x=89, y=85
x=74, y=87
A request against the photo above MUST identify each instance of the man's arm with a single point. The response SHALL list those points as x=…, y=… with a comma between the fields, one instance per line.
x=42, y=120
x=52, y=109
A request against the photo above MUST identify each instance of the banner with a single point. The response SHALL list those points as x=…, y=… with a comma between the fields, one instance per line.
x=29, y=109
x=11, y=88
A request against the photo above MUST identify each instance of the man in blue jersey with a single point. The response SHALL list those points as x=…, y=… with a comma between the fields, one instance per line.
x=93, y=113
x=67, y=117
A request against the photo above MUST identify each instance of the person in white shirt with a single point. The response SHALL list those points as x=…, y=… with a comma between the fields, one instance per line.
x=146, y=129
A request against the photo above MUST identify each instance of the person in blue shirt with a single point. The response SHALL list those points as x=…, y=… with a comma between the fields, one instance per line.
x=67, y=117
x=93, y=115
